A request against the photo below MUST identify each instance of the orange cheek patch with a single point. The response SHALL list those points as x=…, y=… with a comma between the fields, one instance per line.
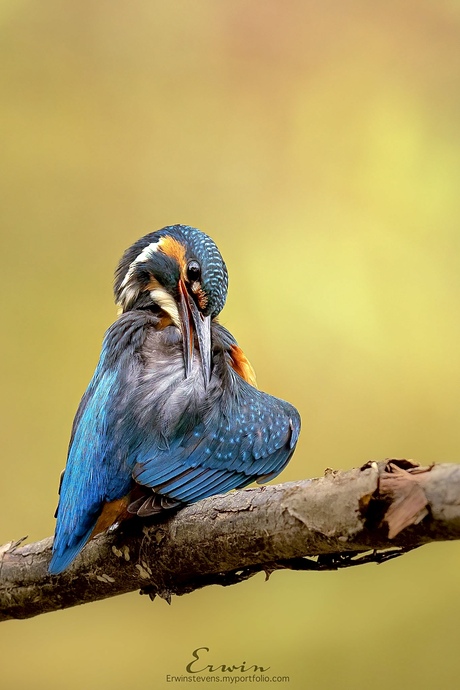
x=174, y=249
x=202, y=299
x=242, y=366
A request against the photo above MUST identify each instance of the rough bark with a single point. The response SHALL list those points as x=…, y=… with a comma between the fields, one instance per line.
x=366, y=514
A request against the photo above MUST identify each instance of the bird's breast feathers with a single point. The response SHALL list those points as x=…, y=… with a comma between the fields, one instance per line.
x=163, y=394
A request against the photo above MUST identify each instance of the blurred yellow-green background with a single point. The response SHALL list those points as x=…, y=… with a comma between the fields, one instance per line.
x=317, y=141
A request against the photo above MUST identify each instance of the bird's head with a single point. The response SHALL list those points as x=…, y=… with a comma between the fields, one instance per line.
x=179, y=272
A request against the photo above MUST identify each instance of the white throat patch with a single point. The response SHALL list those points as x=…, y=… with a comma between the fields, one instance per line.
x=145, y=255
x=130, y=292
x=167, y=303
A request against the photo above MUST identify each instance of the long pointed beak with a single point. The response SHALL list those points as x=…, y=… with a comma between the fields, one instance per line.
x=194, y=322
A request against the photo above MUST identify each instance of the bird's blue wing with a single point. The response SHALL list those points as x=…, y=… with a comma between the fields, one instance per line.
x=251, y=439
x=92, y=475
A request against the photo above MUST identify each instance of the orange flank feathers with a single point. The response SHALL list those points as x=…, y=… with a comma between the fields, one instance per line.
x=111, y=512
x=242, y=366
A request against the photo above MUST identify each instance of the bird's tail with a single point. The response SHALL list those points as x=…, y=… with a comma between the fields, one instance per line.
x=63, y=555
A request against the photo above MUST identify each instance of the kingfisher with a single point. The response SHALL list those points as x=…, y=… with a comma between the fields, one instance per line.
x=172, y=414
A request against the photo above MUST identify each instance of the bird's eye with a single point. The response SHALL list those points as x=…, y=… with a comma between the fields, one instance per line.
x=193, y=271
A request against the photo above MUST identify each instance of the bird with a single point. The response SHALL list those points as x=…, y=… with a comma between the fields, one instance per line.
x=172, y=414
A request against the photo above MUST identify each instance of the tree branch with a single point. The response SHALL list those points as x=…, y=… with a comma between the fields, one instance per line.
x=342, y=519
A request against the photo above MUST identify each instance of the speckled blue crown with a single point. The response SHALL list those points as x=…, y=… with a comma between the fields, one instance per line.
x=198, y=245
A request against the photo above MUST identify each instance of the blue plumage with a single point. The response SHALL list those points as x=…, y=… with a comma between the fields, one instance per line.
x=226, y=450
x=93, y=473
x=170, y=408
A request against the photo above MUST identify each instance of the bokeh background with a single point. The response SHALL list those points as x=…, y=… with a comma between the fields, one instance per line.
x=317, y=141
